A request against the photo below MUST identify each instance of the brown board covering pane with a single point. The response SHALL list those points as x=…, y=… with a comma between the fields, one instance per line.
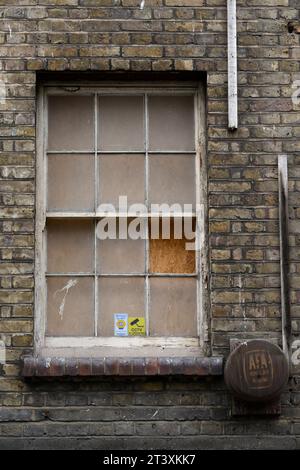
x=121, y=123
x=70, y=246
x=71, y=123
x=70, y=306
x=121, y=175
x=173, y=307
x=171, y=123
x=172, y=255
x=71, y=182
x=119, y=295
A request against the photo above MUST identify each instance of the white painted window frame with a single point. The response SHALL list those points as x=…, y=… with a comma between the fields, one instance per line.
x=115, y=346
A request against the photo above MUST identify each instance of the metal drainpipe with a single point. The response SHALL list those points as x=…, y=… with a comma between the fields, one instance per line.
x=284, y=251
x=232, y=65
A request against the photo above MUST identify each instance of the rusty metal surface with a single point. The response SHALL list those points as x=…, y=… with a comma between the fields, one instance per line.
x=256, y=371
x=115, y=366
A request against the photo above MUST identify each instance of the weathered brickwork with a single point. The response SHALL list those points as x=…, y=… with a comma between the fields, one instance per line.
x=159, y=36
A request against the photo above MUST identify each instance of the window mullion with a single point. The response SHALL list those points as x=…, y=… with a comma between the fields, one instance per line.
x=96, y=178
x=147, y=289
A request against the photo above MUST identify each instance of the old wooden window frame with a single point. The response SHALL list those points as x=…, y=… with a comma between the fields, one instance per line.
x=114, y=346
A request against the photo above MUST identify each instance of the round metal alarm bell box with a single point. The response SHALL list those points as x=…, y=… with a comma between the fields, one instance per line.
x=257, y=370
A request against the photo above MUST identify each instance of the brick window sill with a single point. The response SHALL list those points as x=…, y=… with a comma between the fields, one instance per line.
x=113, y=366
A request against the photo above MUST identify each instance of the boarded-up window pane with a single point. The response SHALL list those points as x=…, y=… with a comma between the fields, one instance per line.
x=172, y=254
x=121, y=175
x=71, y=123
x=70, y=306
x=172, y=179
x=70, y=246
x=121, y=123
x=119, y=295
x=171, y=123
x=70, y=182
x=173, y=307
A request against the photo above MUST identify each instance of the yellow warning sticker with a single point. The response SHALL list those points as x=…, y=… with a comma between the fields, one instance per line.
x=136, y=326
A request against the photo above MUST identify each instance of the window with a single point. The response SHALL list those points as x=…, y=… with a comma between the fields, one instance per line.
x=120, y=220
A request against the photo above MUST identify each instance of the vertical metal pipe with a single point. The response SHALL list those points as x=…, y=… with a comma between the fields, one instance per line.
x=232, y=65
x=284, y=250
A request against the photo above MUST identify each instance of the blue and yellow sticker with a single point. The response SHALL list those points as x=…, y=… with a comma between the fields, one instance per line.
x=121, y=324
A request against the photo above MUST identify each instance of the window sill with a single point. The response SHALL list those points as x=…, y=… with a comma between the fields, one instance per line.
x=113, y=366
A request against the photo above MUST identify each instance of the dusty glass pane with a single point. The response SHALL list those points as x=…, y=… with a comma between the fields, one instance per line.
x=172, y=179
x=121, y=123
x=121, y=256
x=173, y=307
x=171, y=123
x=170, y=246
x=71, y=123
x=121, y=175
x=119, y=295
x=70, y=306
x=71, y=182
x=70, y=246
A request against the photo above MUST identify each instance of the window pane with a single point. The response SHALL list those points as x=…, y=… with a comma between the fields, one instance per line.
x=70, y=306
x=171, y=123
x=118, y=255
x=169, y=251
x=121, y=175
x=70, y=246
x=121, y=123
x=173, y=307
x=172, y=179
x=119, y=295
x=71, y=123
x=71, y=182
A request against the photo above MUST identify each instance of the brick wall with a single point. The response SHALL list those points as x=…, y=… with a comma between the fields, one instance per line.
x=164, y=36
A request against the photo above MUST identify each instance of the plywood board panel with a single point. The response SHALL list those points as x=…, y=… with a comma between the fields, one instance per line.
x=121, y=256
x=173, y=307
x=71, y=183
x=171, y=255
x=71, y=123
x=70, y=246
x=119, y=295
x=121, y=175
x=70, y=306
x=171, y=123
x=121, y=123
x=172, y=179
